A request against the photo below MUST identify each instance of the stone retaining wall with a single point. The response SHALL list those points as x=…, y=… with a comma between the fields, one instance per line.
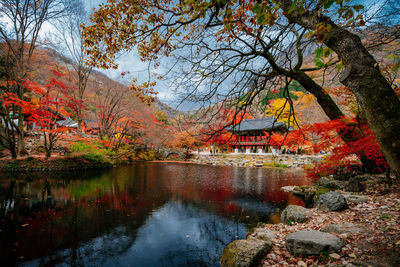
x=286, y=161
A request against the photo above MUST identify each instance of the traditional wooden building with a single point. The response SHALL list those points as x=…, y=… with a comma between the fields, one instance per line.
x=251, y=137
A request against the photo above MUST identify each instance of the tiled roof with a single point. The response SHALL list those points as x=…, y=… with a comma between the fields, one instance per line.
x=268, y=123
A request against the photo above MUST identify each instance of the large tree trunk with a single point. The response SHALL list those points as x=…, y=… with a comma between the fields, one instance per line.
x=363, y=77
x=333, y=112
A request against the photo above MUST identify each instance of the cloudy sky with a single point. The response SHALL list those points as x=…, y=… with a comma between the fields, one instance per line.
x=130, y=62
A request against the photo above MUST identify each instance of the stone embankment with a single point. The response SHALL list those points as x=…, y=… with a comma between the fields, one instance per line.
x=341, y=228
x=258, y=160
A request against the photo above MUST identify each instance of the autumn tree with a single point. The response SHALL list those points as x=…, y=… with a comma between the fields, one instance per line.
x=10, y=104
x=224, y=39
x=22, y=22
x=49, y=106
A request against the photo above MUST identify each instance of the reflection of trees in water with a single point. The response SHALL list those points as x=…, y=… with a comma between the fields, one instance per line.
x=89, y=211
x=74, y=221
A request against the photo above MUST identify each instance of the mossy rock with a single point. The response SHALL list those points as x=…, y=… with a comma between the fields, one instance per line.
x=245, y=253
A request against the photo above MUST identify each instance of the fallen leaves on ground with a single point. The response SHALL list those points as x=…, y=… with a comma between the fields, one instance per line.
x=378, y=246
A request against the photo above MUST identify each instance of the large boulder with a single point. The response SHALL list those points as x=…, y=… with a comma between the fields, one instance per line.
x=295, y=213
x=344, y=228
x=312, y=242
x=248, y=252
x=332, y=201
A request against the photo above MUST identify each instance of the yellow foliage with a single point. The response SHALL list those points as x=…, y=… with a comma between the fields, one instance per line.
x=281, y=108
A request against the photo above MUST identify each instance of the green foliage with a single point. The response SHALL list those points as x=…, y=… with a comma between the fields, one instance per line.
x=92, y=152
x=273, y=164
x=148, y=155
x=12, y=165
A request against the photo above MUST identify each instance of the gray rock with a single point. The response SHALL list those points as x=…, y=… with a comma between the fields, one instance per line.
x=332, y=201
x=312, y=243
x=295, y=213
x=343, y=228
x=306, y=193
x=330, y=183
x=355, y=199
x=354, y=185
x=260, y=233
x=248, y=252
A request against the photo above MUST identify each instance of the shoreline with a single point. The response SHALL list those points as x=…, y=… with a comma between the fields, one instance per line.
x=73, y=163
x=373, y=239
x=36, y=165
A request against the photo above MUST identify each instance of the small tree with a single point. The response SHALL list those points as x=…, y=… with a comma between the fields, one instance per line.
x=54, y=103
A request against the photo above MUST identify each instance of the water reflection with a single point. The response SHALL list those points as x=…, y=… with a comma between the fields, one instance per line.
x=155, y=214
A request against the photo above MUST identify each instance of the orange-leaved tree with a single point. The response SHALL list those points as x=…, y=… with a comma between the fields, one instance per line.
x=50, y=109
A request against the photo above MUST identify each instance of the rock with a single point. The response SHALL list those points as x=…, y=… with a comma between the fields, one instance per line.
x=248, y=252
x=306, y=193
x=354, y=185
x=343, y=228
x=362, y=177
x=295, y=213
x=312, y=242
x=355, y=199
x=260, y=233
x=330, y=183
x=288, y=189
x=332, y=201
x=345, y=173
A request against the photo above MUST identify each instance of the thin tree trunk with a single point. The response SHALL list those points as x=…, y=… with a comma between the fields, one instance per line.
x=21, y=136
x=363, y=77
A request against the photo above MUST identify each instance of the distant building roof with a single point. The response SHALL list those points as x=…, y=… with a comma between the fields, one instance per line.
x=264, y=124
x=68, y=122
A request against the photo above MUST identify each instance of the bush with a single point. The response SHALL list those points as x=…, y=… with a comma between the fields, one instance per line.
x=91, y=152
x=148, y=155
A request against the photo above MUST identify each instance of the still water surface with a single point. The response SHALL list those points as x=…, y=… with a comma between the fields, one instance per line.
x=145, y=214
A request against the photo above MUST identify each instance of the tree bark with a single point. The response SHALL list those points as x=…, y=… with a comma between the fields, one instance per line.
x=333, y=112
x=21, y=137
x=363, y=77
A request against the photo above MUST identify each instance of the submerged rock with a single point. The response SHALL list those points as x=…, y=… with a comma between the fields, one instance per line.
x=243, y=253
x=312, y=242
x=332, y=201
x=295, y=213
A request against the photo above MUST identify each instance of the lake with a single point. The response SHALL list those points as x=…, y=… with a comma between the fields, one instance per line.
x=144, y=214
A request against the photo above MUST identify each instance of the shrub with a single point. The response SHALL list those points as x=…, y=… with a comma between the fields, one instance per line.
x=148, y=155
x=92, y=152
